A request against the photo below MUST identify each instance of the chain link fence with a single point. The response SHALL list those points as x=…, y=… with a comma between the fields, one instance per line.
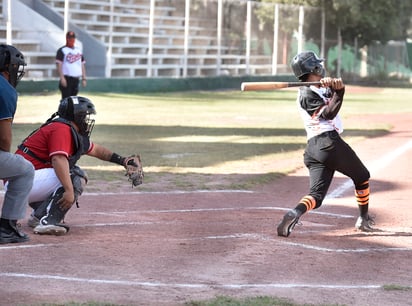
x=197, y=38
x=269, y=35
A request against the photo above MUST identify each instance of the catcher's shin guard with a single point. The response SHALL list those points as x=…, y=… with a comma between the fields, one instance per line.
x=35, y=205
x=40, y=210
x=54, y=213
x=79, y=180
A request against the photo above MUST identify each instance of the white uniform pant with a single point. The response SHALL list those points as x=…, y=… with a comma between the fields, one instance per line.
x=44, y=184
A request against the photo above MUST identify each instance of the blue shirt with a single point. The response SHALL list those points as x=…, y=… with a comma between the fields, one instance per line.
x=8, y=99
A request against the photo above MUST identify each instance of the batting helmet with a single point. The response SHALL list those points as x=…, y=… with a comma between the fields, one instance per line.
x=307, y=62
x=78, y=109
x=12, y=61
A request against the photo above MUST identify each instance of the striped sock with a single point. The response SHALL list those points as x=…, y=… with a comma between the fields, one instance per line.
x=362, y=192
x=306, y=203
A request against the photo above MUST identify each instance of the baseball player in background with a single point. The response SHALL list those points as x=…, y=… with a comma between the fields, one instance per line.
x=15, y=170
x=326, y=152
x=71, y=66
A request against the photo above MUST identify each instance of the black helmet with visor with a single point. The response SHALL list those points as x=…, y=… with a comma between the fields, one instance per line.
x=307, y=62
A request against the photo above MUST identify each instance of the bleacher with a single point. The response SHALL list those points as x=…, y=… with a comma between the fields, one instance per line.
x=124, y=30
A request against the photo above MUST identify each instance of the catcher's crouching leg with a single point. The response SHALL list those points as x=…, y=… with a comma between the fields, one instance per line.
x=79, y=179
x=50, y=224
x=50, y=214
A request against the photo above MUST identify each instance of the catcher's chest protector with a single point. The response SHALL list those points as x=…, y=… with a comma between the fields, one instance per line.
x=81, y=143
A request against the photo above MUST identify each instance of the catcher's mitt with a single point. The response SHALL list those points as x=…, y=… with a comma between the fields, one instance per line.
x=134, y=169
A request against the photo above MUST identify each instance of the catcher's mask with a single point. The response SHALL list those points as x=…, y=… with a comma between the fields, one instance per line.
x=307, y=62
x=79, y=110
x=12, y=61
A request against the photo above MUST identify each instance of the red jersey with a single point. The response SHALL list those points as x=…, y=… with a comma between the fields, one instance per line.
x=52, y=139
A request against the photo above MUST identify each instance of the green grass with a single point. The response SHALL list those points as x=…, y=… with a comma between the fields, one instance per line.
x=255, y=301
x=218, y=301
x=207, y=140
x=78, y=304
x=249, y=301
x=395, y=287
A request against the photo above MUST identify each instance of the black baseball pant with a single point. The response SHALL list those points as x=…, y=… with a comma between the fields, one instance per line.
x=327, y=153
x=72, y=87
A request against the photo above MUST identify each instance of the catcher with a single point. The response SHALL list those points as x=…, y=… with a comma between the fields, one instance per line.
x=54, y=150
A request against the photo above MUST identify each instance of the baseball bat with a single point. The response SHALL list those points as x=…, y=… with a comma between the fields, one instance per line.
x=249, y=86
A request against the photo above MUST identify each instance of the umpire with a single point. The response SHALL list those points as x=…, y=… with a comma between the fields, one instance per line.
x=326, y=152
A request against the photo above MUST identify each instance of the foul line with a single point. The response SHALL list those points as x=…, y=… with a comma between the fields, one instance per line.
x=377, y=166
x=329, y=250
x=138, y=192
x=27, y=246
x=192, y=210
x=184, y=285
x=168, y=192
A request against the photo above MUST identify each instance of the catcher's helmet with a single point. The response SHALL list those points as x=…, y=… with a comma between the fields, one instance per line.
x=78, y=109
x=12, y=61
x=307, y=62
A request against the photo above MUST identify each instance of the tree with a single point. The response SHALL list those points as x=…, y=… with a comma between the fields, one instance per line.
x=368, y=21
x=364, y=20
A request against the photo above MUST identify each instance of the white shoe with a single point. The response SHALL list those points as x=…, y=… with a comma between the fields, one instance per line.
x=50, y=229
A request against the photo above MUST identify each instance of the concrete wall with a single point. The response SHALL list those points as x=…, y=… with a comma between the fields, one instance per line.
x=140, y=85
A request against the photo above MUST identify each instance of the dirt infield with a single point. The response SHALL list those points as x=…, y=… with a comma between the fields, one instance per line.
x=168, y=248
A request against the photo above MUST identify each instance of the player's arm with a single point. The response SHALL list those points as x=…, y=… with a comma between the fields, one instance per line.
x=84, y=78
x=59, y=67
x=335, y=102
x=132, y=163
x=5, y=134
x=105, y=154
x=60, y=165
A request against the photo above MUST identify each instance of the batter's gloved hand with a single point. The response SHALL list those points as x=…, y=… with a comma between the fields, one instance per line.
x=134, y=169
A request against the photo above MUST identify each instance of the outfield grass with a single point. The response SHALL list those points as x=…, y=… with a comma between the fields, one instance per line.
x=217, y=301
x=207, y=140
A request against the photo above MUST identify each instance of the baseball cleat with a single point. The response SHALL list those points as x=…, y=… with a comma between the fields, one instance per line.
x=288, y=223
x=33, y=221
x=50, y=229
x=365, y=224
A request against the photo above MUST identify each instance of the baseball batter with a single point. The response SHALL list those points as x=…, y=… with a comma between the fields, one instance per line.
x=326, y=152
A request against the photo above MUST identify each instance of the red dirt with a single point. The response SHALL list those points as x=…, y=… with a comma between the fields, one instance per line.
x=168, y=248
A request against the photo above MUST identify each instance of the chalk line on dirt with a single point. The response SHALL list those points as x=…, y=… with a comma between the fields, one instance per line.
x=193, y=210
x=26, y=246
x=356, y=250
x=184, y=285
x=169, y=192
x=302, y=245
x=161, y=192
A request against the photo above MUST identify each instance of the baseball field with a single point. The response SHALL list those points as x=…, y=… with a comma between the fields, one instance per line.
x=221, y=169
